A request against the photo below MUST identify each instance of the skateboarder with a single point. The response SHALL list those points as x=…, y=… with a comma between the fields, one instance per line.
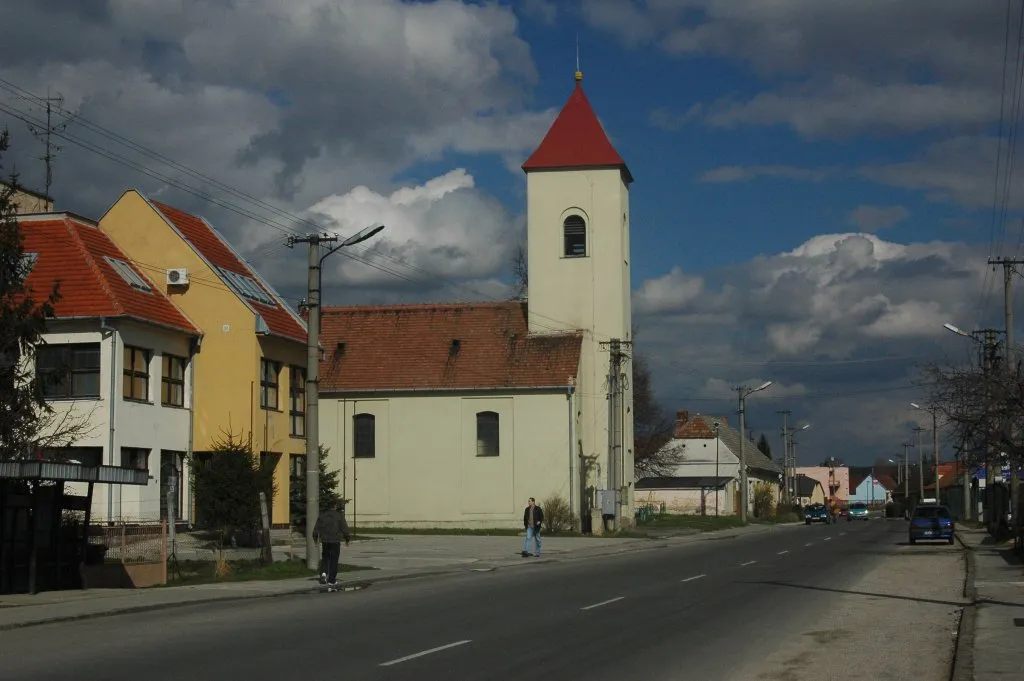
x=533, y=516
x=331, y=527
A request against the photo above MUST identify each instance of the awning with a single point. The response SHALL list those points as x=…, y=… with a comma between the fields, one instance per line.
x=72, y=472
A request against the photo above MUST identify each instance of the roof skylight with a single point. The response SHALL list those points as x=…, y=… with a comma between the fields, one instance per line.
x=133, y=278
x=246, y=287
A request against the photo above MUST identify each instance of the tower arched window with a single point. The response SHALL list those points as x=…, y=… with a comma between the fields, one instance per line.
x=574, y=231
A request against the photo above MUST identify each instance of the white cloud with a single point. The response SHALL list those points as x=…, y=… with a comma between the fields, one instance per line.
x=671, y=292
x=877, y=218
x=444, y=229
x=544, y=11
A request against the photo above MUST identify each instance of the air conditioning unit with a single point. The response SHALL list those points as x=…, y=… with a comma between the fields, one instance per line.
x=177, y=277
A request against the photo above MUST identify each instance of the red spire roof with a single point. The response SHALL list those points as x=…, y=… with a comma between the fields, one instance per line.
x=576, y=140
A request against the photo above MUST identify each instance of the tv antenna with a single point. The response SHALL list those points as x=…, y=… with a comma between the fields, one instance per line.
x=46, y=134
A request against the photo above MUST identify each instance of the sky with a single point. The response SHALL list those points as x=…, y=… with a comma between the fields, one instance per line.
x=818, y=185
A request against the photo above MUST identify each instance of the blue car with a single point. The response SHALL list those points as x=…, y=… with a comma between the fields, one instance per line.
x=932, y=522
x=858, y=511
x=817, y=513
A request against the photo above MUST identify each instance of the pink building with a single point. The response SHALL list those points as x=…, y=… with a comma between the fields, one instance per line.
x=833, y=480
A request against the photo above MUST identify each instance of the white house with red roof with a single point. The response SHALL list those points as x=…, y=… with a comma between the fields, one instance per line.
x=118, y=361
x=456, y=414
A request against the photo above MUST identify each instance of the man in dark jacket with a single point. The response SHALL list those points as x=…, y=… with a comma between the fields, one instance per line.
x=331, y=528
x=533, y=516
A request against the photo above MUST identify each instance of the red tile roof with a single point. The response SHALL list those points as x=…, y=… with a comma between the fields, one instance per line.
x=410, y=347
x=576, y=140
x=696, y=428
x=72, y=251
x=216, y=250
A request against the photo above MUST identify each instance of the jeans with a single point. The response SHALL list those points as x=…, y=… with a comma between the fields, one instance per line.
x=329, y=553
x=534, y=534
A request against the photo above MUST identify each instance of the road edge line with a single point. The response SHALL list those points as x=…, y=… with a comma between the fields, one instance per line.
x=962, y=667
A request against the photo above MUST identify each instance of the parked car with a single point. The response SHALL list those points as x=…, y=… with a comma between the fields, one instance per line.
x=817, y=513
x=932, y=522
x=858, y=511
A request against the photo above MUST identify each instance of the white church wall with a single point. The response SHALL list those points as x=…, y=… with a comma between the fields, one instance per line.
x=426, y=471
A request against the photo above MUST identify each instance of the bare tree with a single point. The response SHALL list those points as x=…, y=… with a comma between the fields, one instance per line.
x=652, y=427
x=27, y=421
x=520, y=273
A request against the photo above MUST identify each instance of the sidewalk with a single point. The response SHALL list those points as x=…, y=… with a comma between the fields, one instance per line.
x=996, y=627
x=388, y=557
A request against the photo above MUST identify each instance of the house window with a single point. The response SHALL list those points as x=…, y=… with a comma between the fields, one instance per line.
x=172, y=382
x=69, y=371
x=365, y=434
x=136, y=374
x=575, y=231
x=297, y=468
x=487, y=433
x=91, y=457
x=135, y=458
x=297, y=400
x=269, y=376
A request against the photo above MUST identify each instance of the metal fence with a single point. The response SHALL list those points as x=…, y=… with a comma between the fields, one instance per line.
x=130, y=543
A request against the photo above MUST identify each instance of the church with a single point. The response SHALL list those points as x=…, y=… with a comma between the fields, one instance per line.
x=454, y=415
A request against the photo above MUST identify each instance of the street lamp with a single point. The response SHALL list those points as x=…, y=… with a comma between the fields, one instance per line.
x=313, y=374
x=743, y=394
x=935, y=443
x=718, y=482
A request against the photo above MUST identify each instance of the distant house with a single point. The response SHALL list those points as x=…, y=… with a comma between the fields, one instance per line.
x=706, y=480
x=26, y=201
x=868, y=488
x=809, y=490
x=835, y=481
x=117, y=352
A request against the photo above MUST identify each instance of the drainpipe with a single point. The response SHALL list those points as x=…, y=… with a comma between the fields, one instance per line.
x=112, y=399
x=191, y=427
x=568, y=399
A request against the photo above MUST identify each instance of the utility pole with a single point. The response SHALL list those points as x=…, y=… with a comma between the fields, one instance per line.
x=785, y=454
x=315, y=278
x=744, y=492
x=312, y=388
x=920, y=462
x=906, y=474
x=614, y=395
x=1011, y=368
x=44, y=137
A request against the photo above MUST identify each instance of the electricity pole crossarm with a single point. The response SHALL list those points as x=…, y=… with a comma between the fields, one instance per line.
x=315, y=280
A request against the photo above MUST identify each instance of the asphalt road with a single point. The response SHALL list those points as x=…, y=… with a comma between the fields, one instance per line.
x=700, y=611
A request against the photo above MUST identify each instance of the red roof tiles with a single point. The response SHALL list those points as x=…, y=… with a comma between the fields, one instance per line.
x=73, y=252
x=576, y=140
x=212, y=246
x=412, y=347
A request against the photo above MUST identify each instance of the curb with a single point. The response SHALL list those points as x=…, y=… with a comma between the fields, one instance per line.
x=962, y=668
x=227, y=599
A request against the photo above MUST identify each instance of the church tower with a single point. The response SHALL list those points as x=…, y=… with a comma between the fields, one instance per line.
x=578, y=258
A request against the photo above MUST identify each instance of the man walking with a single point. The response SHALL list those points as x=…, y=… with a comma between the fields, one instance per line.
x=533, y=516
x=331, y=527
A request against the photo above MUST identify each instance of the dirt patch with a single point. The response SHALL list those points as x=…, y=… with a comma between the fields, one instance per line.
x=897, y=622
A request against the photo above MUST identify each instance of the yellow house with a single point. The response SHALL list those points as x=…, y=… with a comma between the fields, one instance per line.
x=250, y=371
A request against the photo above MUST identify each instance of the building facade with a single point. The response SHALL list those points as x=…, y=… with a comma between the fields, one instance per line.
x=116, y=366
x=474, y=408
x=250, y=370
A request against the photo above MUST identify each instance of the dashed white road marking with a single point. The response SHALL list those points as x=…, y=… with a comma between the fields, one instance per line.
x=424, y=652
x=782, y=552
x=749, y=562
x=809, y=543
x=598, y=605
x=828, y=538
x=690, y=579
x=841, y=534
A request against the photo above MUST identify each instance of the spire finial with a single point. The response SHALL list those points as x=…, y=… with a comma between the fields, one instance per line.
x=579, y=74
